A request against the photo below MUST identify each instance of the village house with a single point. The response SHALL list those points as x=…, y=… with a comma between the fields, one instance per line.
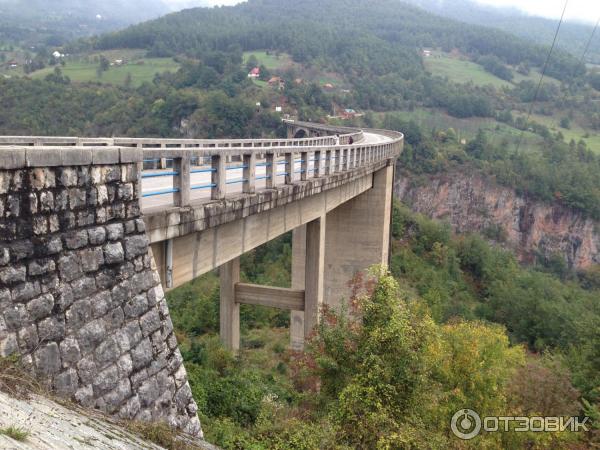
x=277, y=82
x=254, y=73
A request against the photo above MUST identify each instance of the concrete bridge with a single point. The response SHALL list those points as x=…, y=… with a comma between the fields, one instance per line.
x=92, y=231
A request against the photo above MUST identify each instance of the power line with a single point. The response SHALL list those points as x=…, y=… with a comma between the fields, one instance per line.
x=537, y=91
x=581, y=61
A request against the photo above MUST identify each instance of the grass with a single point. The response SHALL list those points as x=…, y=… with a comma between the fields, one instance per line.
x=270, y=61
x=141, y=70
x=461, y=70
x=575, y=132
x=430, y=119
x=16, y=433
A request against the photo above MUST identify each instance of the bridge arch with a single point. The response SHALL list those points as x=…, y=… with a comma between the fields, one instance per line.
x=300, y=133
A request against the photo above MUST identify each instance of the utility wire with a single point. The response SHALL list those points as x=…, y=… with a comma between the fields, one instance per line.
x=582, y=59
x=537, y=91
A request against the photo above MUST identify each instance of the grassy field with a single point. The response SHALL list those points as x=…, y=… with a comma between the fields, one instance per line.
x=139, y=68
x=463, y=71
x=497, y=132
x=576, y=132
x=270, y=61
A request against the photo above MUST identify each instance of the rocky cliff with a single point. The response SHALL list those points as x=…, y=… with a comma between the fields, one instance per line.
x=471, y=203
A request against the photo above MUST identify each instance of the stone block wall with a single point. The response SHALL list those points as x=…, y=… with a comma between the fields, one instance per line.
x=80, y=297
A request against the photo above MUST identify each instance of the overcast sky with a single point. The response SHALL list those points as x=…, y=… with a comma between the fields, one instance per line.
x=582, y=10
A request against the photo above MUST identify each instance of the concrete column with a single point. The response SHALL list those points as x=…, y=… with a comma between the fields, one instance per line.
x=314, y=273
x=249, y=173
x=229, y=311
x=219, y=177
x=298, y=280
x=303, y=166
x=289, y=168
x=269, y=170
x=317, y=164
x=181, y=181
x=327, y=170
x=358, y=234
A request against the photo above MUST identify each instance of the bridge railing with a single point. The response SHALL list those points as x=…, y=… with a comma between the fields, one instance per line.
x=206, y=174
x=50, y=141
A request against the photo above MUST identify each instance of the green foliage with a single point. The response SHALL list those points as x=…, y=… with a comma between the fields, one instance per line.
x=16, y=433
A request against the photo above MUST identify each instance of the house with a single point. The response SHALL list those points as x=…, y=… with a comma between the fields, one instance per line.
x=328, y=86
x=12, y=64
x=277, y=82
x=349, y=113
x=57, y=54
x=118, y=62
x=254, y=73
x=426, y=53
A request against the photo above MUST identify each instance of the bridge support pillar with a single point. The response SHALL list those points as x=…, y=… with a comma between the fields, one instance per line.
x=358, y=236
x=229, y=311
x=308, y=262
x=298, y=282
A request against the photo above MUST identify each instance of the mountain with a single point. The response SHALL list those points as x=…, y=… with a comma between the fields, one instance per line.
x=357, y=35
x=34, y=22
x=573, y=37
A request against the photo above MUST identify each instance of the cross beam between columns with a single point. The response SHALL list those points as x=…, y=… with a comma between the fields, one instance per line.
x=274, y=297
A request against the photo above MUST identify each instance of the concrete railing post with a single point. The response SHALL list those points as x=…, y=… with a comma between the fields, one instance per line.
x=269, y=170
x=327, y=162
x=181, y=181
x=289, y=168
x=163, y=161
x=338, y=161
x=317, y=164
x=303, y=166
x=219, y=177
x=249, y=173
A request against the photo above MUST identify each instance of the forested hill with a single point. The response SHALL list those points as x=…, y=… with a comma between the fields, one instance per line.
x=31, y=22
x=574, y=36
x=357, y=36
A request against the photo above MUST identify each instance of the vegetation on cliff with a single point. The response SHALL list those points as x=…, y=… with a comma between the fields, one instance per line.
x=459, y=324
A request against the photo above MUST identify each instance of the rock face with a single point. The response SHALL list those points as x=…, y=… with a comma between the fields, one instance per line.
x=471, y=203
x=51, y=426
x=80, y=297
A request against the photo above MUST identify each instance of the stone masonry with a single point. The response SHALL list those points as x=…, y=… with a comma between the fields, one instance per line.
x=80, y=297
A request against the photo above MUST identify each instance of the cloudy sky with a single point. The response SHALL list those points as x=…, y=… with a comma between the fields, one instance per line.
x=582, y=10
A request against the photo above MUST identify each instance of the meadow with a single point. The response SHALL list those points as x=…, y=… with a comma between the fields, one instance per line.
x=136, y=68
x=460, y=70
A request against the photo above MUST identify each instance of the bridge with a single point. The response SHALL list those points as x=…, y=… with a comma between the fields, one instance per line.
x=94, y=230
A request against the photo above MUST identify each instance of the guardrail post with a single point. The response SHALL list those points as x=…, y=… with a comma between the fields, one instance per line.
x=181, y=181
x=345, y=157
x=338, y=162
x=317, y=164
x=219, y=177
x=163, y=161
x=327, y=162
x=249, y=173
x=269, y=170
x=289, y=168
x=303, y=166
